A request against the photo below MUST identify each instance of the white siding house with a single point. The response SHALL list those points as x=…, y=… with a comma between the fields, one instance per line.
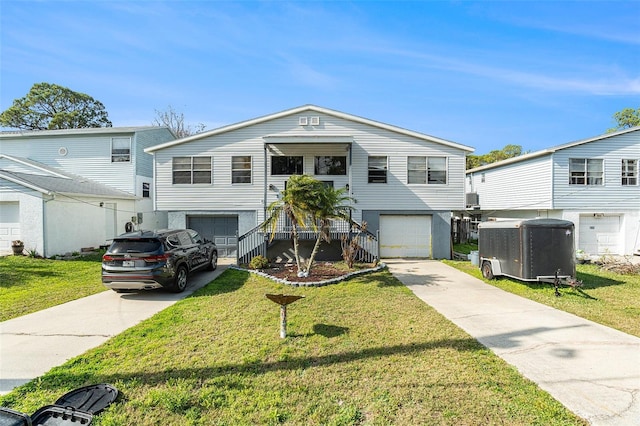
x=593, y=182
x=62, y=190
x=406, y=184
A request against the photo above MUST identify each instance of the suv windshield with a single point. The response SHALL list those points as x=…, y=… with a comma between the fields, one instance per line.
x=135, y=246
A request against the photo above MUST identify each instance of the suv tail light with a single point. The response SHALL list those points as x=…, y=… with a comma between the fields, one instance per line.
x=157, y=258
x=107, y=258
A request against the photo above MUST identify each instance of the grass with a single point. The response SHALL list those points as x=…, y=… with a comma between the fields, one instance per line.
x=606, y=297
x=31, y=284
x=362, y=352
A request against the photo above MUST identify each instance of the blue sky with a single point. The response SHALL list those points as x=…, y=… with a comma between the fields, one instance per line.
x=484, y=74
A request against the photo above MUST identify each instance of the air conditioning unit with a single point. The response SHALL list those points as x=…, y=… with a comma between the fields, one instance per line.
x=473, y=200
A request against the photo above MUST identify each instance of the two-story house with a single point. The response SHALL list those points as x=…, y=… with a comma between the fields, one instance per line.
x=593, y=182
x=63, y=190
x=405, y=184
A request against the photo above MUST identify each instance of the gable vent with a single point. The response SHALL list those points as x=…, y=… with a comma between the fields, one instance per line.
x=315, y=121
x=303, y=121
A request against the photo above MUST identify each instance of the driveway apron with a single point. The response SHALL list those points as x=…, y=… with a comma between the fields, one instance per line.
x=592, y=369
x=33, y=344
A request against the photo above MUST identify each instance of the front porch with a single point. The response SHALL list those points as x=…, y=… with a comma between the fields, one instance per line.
x=259, y=241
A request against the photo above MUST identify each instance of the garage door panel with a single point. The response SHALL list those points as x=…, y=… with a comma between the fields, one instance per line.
x=9, y=224
x=405, y=236
x=219, y=229
x=599, y=234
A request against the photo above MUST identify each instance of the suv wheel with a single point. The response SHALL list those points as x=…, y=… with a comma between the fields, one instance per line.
x=180, y=281
x=213, y=261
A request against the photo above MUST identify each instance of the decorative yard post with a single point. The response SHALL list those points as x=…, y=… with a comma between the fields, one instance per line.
x=283, y=300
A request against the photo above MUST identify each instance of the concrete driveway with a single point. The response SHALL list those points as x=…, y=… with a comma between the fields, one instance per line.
x=592, y=369
x=33, y=344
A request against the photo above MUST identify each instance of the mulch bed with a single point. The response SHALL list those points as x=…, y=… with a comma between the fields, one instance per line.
x=319, y=272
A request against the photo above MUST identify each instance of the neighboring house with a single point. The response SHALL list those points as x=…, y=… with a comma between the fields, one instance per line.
x=406, y=184
x=63, y=190
x=593, y=182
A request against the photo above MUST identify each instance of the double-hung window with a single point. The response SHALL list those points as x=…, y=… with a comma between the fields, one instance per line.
x=586, y=171
x=629, y=172
x=146, y=189
x=241, y=169
x=330, y=165
x=120, y=150
x=378, y=169
x=286, y=165
x=437, y=170
x=423, y=170
x=192, y=170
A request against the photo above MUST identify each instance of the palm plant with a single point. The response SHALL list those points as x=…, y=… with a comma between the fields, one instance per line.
x=307, y=202
x=332, y=205
x=297, y=202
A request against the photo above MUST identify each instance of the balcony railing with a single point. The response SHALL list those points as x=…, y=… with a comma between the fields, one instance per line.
x=256, y=241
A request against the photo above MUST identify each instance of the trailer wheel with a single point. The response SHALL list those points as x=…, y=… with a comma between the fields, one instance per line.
x=487, y=272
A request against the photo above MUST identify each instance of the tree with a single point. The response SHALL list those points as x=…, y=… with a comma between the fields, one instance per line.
x=626, y=119
x=175, y=121
x=49, y=106
x=331, y=205
x=306, y=202
x=509, y=151
x=294, y=205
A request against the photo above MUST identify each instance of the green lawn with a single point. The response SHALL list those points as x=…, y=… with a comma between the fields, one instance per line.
x=365, y=351
x=607, y=298
x=30, y=284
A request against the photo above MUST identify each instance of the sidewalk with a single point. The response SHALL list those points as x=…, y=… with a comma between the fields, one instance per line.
x=33, y=344
x=592, y=369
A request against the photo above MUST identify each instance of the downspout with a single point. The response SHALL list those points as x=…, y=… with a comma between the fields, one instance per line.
x=350, y=174
x=44, y=223
x=264, y=185
x=553, y=184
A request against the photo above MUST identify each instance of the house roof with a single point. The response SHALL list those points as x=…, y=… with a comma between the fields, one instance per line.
x=74, y=132
x=305, y=108
x=549, y=151
x=49, y=180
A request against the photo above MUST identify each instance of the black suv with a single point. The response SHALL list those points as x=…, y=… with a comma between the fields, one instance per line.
x=146, y=260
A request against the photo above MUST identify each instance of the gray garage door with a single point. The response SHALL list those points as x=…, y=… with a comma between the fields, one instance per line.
x=221, y=229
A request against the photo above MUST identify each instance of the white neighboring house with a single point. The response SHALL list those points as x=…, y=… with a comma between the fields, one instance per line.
x=406, y=184
x=592, y=182
x=63, y=190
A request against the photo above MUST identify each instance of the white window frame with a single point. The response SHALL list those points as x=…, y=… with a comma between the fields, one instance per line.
x=195, y=169
x=235, y=170
x=590, y=172
x=119, y=153
x=146, y=189
x=373, y=179
x=431, y=170
x=317, y=158
x=629, y=172
x=419, y=170
x=273, y=157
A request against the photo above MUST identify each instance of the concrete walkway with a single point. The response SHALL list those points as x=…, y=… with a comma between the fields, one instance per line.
x=33, y=344
x=592, y=369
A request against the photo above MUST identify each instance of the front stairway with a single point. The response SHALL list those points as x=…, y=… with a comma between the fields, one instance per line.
x=277, y=246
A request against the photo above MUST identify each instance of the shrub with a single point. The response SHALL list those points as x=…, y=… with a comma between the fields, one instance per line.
x=259, y=262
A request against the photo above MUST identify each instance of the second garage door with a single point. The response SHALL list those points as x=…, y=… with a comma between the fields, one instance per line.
x=9, y=224
x=220, y=229
x=405, y=236
x=599, y=234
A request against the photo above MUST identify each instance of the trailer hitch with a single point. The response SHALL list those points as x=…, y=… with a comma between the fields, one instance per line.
x=556, y=284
